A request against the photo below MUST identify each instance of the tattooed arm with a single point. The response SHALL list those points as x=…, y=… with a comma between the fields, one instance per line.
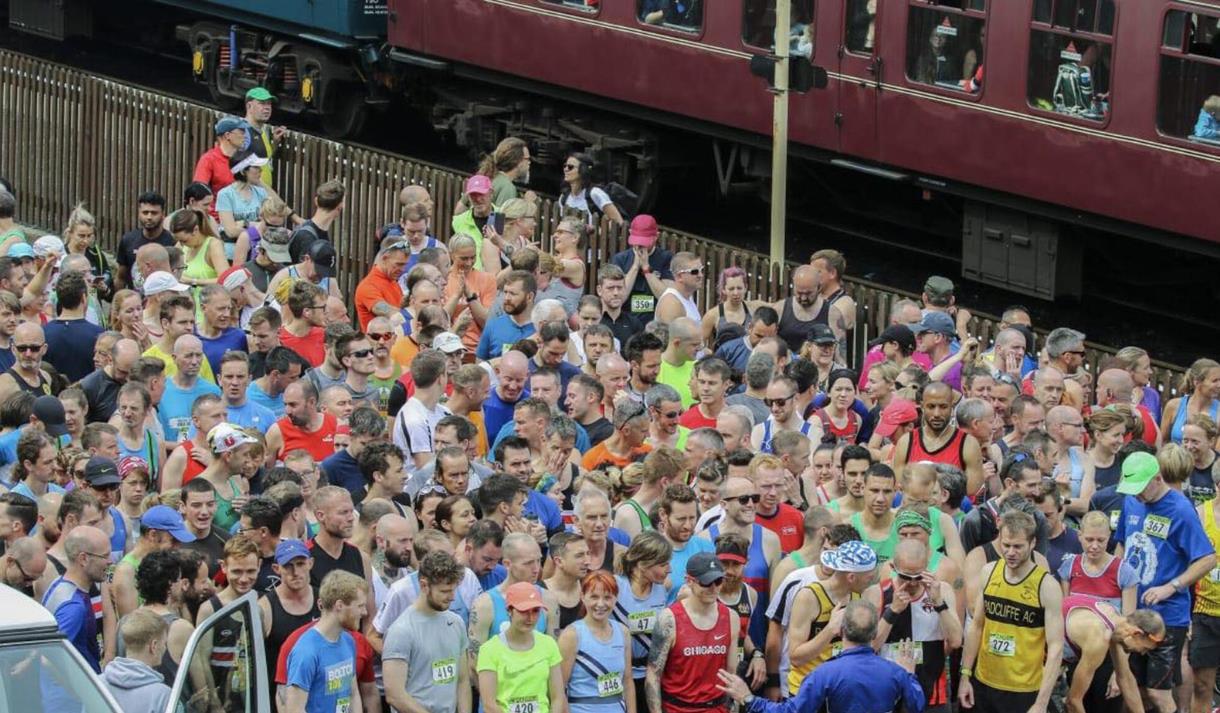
x=477, y=632
x=658, y=655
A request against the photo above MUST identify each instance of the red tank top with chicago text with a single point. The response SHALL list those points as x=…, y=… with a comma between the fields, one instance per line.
x=319, y=443
x=690, y=675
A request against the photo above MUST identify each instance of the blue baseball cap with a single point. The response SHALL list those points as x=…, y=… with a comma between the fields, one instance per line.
x=937, y=322
x=852, y=556
x=21, y=251
x=164, y=517
x=288, y=550
x=229, y=123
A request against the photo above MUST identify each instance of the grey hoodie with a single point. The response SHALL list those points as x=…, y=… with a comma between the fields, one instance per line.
x=137, y=687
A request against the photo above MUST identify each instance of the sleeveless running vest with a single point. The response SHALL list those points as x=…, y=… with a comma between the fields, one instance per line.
x=797, y=674
x=1207, y=591
x=1179, y=418
x=639, y=616
x=42, y=388
x=1080, y=601
x=689, y=683
x=769, y=429
x=883, y=548
x=598, y=675
x=1012, y=652
x=319, y=443
x=950, y=454
x=834, y=434
x=793, y=330
x=1100, y=586
x=282, y=626
x=919, y=623
x=744, y=607
x=688, y=304
x=227, y=649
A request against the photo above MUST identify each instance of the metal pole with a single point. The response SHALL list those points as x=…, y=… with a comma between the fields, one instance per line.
x=779, y=131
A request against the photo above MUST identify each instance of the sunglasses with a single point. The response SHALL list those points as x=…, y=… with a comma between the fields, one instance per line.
x=692, y=271
x=777, y=402
x=747, y=499
x=668, y=414
x=27, y=347
x=909, y=577
x=570, y=166
x=360, y=353
x=381, y=336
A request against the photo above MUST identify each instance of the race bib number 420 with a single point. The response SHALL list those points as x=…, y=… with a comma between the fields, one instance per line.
x=523, y=705
x=1002, y=645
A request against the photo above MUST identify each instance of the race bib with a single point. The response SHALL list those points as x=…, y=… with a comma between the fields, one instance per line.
x=343, y=705
x=836, y=648
x=506, y=347
x=610, y=684
x=444, y=671
x=1114, y=516
x=523, y=705
x=642, y=622
x=891, y=651
x=1002, y=645
x=1214, y=575
x=1156, y=526
x=643, y=304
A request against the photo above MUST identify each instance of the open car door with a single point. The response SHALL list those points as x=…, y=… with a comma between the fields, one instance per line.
x=223, y=667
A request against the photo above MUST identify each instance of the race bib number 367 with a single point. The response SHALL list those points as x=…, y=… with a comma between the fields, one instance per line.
x=1156, y=526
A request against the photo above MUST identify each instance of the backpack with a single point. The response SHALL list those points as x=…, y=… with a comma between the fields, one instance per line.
x=1073, y=93
x=627, y=202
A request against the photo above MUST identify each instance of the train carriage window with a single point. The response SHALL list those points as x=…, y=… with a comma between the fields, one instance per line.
x=861, y=26
x=1188, y=101
x=945, y=44
x=686, y=15
x=1070, y=56
x=589, y=6
x=758, y=26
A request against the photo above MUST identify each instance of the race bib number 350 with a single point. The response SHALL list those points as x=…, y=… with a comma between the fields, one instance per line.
x=642, y=304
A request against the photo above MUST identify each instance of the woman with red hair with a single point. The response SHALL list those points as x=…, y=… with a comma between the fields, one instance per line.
x=597, y=651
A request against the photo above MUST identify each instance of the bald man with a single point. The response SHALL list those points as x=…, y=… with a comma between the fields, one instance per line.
x=28, y=366
x=23, y=564
x=512, y=372
x=1049, y=387
x=88, y=557
x=395, y=541
x=798, y=313
x=101, y=387
x=48, y=519
x=613, y=372
x=678, y=359
x=678, y=300
x=1115, y=386
x=1073, y=470
x=183, y=388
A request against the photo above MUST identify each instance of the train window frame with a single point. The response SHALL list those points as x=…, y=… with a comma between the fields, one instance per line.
x=769, y=47
x=672, y=29
x=1037, y=26
x=962, y=11
x=848, y=7
x=573, y=6
x=1183, y=53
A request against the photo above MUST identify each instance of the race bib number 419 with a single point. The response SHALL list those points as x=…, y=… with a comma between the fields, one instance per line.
x=444, y=671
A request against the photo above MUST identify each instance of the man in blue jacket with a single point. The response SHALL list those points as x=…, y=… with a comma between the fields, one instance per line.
x=855, y=681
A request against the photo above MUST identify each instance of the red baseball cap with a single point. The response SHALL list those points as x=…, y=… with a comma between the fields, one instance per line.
x=898, y=413
x=523, y=596
x=478, y=184
x=643, y=232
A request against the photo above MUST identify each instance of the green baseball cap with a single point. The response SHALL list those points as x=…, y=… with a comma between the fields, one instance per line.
x=260, y=94
x=1138, y=470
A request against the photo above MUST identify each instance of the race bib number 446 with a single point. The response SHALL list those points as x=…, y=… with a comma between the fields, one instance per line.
x=610, y=684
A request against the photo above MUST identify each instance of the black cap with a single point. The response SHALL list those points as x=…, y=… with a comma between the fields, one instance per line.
x=100, y=471
x=322, y=253
x=705, y=567
x=900, y=334
x=50, y=412
x=821, y=334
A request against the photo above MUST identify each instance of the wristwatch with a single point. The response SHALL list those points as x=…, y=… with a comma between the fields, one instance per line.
x=941, y=608
x=745, y=702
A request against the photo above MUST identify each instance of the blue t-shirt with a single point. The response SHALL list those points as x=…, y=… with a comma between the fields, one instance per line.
x=252, y=415
x=542, y=508
x=1161, y=540
x=499, y=332
x=492, y=579
x=23, y=489
x=326, y=669
x=342, y=470
x=274, y=405
x=8, y=445
x=496, y=412
x=175, y=408
x=215, y=347
x=7, y=359
x=70, y=346
x=74, y=617
x=677, y=564
x=243, y=210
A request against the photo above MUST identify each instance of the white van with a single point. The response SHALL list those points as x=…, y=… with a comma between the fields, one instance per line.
x=34, y=656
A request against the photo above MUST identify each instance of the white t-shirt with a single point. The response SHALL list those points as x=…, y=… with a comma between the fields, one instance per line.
x=780, y=611
x=415, y=424
x=713, y=515
x=405, y=591
x=580, y=201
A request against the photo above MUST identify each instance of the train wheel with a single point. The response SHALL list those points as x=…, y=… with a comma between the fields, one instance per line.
x=344, y=111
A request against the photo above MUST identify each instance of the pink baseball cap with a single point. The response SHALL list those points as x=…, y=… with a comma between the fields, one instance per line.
x=523, y=596
x=478, y=184
x=898, y=413
x=643, y=232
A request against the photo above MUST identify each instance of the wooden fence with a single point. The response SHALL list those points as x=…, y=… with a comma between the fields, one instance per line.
x=69, y=137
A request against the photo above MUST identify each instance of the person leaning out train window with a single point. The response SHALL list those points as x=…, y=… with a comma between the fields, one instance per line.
x=1208, y=125
x=579, y=194
x=683, y=13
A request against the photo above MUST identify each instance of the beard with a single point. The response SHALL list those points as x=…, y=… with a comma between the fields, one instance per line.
x=398, y=559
